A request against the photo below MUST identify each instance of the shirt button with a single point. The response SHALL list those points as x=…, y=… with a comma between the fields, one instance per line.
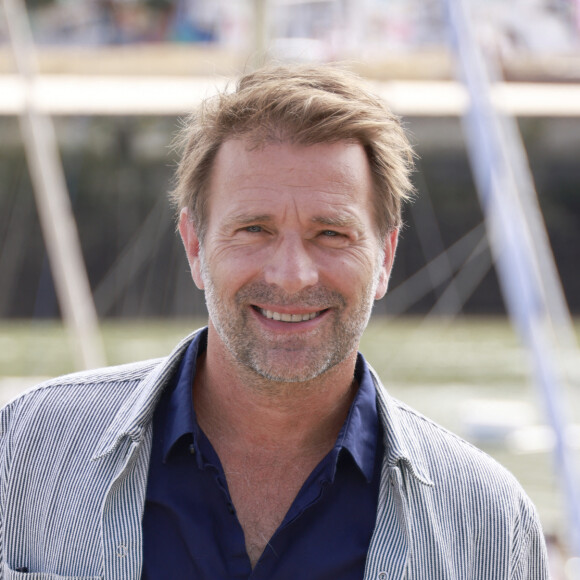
x=383, y=576
x=121, y=550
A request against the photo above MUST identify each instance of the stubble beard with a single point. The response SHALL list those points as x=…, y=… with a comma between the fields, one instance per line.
x=294, y=359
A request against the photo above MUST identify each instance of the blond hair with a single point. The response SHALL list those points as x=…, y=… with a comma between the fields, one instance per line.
x=299, y=104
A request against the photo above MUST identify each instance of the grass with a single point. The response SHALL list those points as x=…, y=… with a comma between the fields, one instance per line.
x=402, y=350
x=43, y=348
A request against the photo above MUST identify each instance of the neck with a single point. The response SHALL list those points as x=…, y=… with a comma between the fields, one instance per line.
x=237, y=406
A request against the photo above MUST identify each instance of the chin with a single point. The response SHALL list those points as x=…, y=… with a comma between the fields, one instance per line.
x=301, y=369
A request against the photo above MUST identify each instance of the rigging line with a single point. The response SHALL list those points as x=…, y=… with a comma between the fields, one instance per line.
x=403, y=296
x=466, y=281
x=151, y=284
x=14, y=246
x=132, y=259
x=544, y=263
x=431, y=240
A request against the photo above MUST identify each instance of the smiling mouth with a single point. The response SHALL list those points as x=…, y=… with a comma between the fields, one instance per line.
x=285, y=317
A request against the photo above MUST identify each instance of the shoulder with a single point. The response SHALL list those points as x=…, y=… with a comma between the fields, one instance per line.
x=464, y=477
x=120, y=397
x=445, y=455
x=77, y=393
x=459, y=505
x=434, y=455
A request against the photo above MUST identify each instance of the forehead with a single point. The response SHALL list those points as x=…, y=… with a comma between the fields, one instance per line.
x=337, y=174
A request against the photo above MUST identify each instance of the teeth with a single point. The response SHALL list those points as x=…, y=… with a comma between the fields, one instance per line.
x=288, y=317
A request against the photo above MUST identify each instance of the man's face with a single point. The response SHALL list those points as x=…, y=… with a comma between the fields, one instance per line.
x=290, y=263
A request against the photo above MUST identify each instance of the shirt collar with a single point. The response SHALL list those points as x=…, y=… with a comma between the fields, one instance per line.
x=402, y=446
x=358, y=436
x=360, y=433
x=179, y=414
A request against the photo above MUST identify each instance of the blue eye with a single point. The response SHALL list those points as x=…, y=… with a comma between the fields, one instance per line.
x=254, y=229
x=330, y=233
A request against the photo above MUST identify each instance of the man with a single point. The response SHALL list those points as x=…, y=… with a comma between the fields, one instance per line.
x=264, y=446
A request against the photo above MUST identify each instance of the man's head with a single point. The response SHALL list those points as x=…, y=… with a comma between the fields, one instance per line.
x=290, y=193
x=302, y=105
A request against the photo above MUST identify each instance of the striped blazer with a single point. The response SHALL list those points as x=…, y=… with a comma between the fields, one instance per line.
x=74, y=455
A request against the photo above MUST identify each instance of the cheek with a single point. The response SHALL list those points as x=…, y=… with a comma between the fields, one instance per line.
x=354, y=277
x=231, y=269
x=359, y=266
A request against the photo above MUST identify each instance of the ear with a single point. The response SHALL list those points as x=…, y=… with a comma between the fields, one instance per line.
x=192, y=246
x=389, y=247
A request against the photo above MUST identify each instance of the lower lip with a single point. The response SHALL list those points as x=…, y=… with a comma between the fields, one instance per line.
x=289, y=327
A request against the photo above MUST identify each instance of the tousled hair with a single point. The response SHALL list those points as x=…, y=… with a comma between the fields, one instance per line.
x=298, y=104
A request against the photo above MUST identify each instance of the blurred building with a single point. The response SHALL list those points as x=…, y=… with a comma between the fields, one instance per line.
x=118, y=167
x=329, y=28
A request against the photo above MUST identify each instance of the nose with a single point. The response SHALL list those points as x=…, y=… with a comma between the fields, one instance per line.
x=291, y=267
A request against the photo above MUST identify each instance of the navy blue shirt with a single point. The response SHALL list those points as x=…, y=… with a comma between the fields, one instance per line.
x=190, y=528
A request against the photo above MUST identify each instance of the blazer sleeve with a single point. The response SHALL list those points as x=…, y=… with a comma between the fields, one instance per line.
x=4, y=425
x=530, y=557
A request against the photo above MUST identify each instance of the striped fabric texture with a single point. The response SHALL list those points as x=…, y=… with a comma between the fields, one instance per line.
x=74, y=456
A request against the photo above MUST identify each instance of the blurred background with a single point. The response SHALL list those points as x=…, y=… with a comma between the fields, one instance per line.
x=114, y=78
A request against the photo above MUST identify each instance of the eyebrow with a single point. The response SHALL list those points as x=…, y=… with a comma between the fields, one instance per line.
x=341, y=221
x=246, y=219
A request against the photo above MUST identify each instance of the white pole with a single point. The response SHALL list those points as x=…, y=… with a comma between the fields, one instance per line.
x=261, y=32
x=499, y=173
x=52, y=199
